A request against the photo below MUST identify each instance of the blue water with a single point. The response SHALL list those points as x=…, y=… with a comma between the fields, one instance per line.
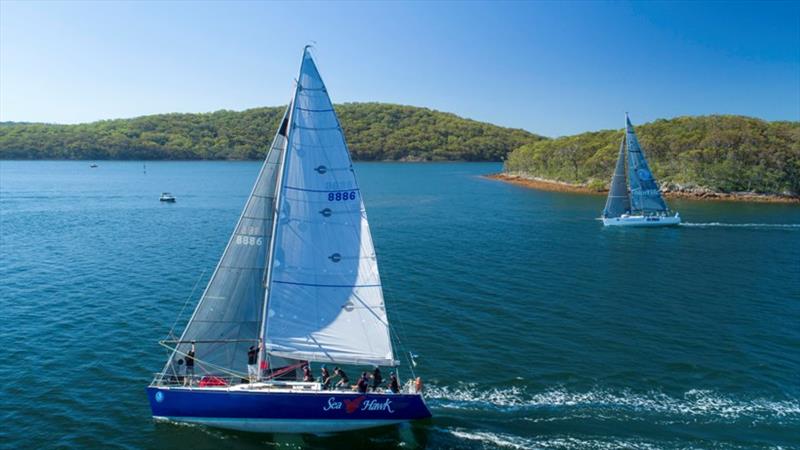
x=536, y=327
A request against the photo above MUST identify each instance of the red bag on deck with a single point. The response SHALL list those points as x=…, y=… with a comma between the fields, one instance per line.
x=212, y=381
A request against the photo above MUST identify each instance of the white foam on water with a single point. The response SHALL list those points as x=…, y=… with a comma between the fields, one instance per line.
x=789, y=226
x=695, y=403
x=496, y=440
x=503, y=440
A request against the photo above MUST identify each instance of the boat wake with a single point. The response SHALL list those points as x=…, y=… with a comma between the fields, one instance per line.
x=782, y=226
x=487, y=439
x=560, y=404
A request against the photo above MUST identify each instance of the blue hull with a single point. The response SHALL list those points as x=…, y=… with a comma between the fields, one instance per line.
x=289, y=412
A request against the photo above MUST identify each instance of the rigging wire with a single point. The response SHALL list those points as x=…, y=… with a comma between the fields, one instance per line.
x=186, y=303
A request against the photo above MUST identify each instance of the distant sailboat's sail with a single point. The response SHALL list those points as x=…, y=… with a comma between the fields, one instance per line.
x=645, y=196
x=228, y=317
x=618, y=202
x=325, y=301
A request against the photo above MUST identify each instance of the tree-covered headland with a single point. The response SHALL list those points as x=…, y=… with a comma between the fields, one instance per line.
x=374, y=131
x=720, y=153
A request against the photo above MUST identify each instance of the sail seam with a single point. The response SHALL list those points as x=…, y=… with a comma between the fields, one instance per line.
x=315, y=110
x=327, y=285
x=300, y=127
x=319, y=190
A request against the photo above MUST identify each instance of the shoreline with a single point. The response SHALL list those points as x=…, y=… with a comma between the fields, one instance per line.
x=560, y=186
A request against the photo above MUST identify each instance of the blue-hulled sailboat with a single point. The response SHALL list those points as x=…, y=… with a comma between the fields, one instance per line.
x=642, y=204
x=298, y=284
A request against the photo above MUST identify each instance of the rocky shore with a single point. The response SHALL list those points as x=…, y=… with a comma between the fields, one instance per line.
x=668, y=190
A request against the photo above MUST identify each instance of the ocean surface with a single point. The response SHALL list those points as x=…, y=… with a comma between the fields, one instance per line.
x=535, y=326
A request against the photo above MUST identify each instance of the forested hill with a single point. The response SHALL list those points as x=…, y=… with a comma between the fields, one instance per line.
x=720, y=153
x=374, y=131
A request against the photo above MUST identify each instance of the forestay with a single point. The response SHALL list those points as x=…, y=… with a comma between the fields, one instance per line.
x=228, y=317
x=618, y=202
x=325, y=301
x=645, y=196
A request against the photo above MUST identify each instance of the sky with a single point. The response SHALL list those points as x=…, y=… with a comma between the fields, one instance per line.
x=552, y=68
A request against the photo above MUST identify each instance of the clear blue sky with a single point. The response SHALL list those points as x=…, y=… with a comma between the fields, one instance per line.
x=553, y=68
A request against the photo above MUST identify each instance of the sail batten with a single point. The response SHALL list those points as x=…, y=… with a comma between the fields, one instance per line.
x=325, y=301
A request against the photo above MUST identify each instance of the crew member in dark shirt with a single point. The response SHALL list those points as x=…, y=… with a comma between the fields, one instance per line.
x=377, y=379
x=252, y=363
x=326, y=379
x=189, y=370
x=363, y=383
x=307, y=376
x=393, y=385
x=343, y=380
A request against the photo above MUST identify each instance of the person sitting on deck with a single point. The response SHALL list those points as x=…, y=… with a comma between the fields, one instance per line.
x=252, y=363
x=363, y=383
x=307, y=376
x=377, y=379
x=189, y=370
x=343, y=380
x=326, y=379
x=393, y=385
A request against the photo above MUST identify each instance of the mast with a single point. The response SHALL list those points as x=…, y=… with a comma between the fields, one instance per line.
x=283, y=129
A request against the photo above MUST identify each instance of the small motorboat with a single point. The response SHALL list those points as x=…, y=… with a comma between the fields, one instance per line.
x=92, y=166
x=167, y=197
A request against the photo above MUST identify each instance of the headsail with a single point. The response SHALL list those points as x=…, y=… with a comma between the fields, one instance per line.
x=228, y=317
x=618, y=202
x=325, y=301
x=645, y=196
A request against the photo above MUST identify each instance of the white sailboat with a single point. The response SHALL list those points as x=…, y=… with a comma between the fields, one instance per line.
x=642, y=204
x=299, y=283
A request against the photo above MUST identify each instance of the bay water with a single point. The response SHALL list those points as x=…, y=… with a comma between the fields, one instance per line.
x=535, y=326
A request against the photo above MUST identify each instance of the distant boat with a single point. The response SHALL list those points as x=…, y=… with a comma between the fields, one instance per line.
x=641, y=204
x=297, y=284
x=92, y=165
x=167, y=197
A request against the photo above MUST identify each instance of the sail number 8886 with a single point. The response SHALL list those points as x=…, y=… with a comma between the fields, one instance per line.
x=341, y=196
x=248, y=240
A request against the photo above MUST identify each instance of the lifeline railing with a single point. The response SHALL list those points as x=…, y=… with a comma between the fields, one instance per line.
x=172, y=344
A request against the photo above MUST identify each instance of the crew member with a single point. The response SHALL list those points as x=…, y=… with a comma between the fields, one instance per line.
x=377, y=379
x=393, y=385
x=343, y=380
x=326, y=379
x=363, y=383
x=307, y=376
x=189, y=370
x=252, y=363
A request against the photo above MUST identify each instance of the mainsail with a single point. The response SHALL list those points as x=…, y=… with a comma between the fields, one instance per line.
x=324, y=299
x=645, y=196
x=228, y=317
x=618, y=202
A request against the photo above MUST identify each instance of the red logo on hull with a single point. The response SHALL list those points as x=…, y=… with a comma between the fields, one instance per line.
x=352, y=405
